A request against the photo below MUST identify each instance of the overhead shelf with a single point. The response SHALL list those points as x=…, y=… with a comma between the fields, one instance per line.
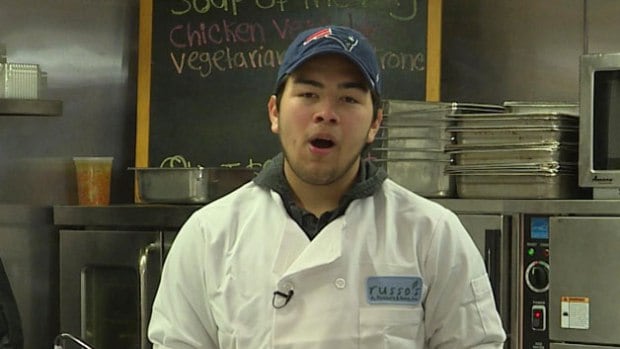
x=30, y=107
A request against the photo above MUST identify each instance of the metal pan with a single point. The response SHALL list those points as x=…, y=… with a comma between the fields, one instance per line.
x=541, y=107
x=507, y=168
x=391, y=122
x=512, y=120
x=393, y=107
x=193, y=185
x=424, y=177
x=436, y=132
x=518, y=186
x=388, y=153
x=517, y=154
x=493, y=136
x=414, y=143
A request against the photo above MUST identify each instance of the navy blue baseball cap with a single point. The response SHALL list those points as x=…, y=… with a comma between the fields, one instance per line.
x=332, y=39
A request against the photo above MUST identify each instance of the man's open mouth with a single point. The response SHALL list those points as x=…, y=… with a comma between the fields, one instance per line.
x=322, y=143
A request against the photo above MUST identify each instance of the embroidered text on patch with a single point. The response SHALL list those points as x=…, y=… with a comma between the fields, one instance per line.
x=394, y=290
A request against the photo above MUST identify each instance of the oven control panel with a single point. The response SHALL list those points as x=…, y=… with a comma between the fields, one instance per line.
x=535, y=282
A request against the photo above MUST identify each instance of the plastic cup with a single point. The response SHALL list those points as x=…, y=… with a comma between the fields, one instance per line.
x=93, y=176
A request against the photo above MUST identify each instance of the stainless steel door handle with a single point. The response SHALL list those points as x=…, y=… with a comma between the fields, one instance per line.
x=145, y=293
x=60, y=339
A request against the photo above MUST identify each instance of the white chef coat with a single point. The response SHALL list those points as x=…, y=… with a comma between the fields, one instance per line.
x=395, y=271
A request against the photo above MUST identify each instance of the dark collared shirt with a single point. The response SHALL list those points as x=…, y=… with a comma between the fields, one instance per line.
x=369, y=180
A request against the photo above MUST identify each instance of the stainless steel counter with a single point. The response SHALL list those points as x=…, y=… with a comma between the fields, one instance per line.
x=173, y=216
x=557, y=207
x=123, y=216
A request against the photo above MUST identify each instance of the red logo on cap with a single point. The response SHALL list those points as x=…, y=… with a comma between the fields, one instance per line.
x=318, y=35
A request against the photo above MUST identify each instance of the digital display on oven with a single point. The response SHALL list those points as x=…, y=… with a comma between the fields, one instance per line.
x=539, y=228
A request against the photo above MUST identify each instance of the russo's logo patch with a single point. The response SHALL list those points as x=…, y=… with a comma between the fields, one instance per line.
x=394, y=290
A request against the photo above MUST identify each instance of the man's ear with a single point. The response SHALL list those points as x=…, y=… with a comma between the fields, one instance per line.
x=374, y=127
x=272, y=107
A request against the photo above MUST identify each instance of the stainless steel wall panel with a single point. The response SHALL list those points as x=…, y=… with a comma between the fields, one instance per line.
x=498, y=50
x=602, y=26
x=89, y=51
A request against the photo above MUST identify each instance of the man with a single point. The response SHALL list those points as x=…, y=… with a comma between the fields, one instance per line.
x=321, y=250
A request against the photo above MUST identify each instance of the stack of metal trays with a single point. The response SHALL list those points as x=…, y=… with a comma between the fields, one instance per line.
x=412, y=143
x=530, y=152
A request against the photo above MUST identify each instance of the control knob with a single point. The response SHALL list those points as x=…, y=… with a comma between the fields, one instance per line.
x=537, y=276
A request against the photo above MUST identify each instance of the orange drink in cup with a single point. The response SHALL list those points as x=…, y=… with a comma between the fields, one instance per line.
x=93, y=176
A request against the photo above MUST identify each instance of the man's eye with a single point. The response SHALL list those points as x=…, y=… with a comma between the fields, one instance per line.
x=350, y=99
x=307, y=94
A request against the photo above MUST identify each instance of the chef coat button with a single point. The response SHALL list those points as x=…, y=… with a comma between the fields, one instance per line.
x=287, y=286
x=340, y=283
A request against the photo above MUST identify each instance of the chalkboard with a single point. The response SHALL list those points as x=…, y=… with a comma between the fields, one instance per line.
x=207, y=68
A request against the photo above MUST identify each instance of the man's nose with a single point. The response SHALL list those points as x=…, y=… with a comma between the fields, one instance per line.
x=327, y=112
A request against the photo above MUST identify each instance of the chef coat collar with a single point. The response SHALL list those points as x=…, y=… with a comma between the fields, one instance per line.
x=369, y=180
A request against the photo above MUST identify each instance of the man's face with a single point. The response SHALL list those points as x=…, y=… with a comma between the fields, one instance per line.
x=324, y=119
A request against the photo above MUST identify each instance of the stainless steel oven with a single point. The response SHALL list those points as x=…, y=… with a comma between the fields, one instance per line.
x=584, y=311
x=108, y=280
x=564, y=269
x=569, y=288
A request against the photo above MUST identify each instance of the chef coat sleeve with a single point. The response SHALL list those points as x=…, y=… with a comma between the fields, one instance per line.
x=180, y=318
x=460, y=307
